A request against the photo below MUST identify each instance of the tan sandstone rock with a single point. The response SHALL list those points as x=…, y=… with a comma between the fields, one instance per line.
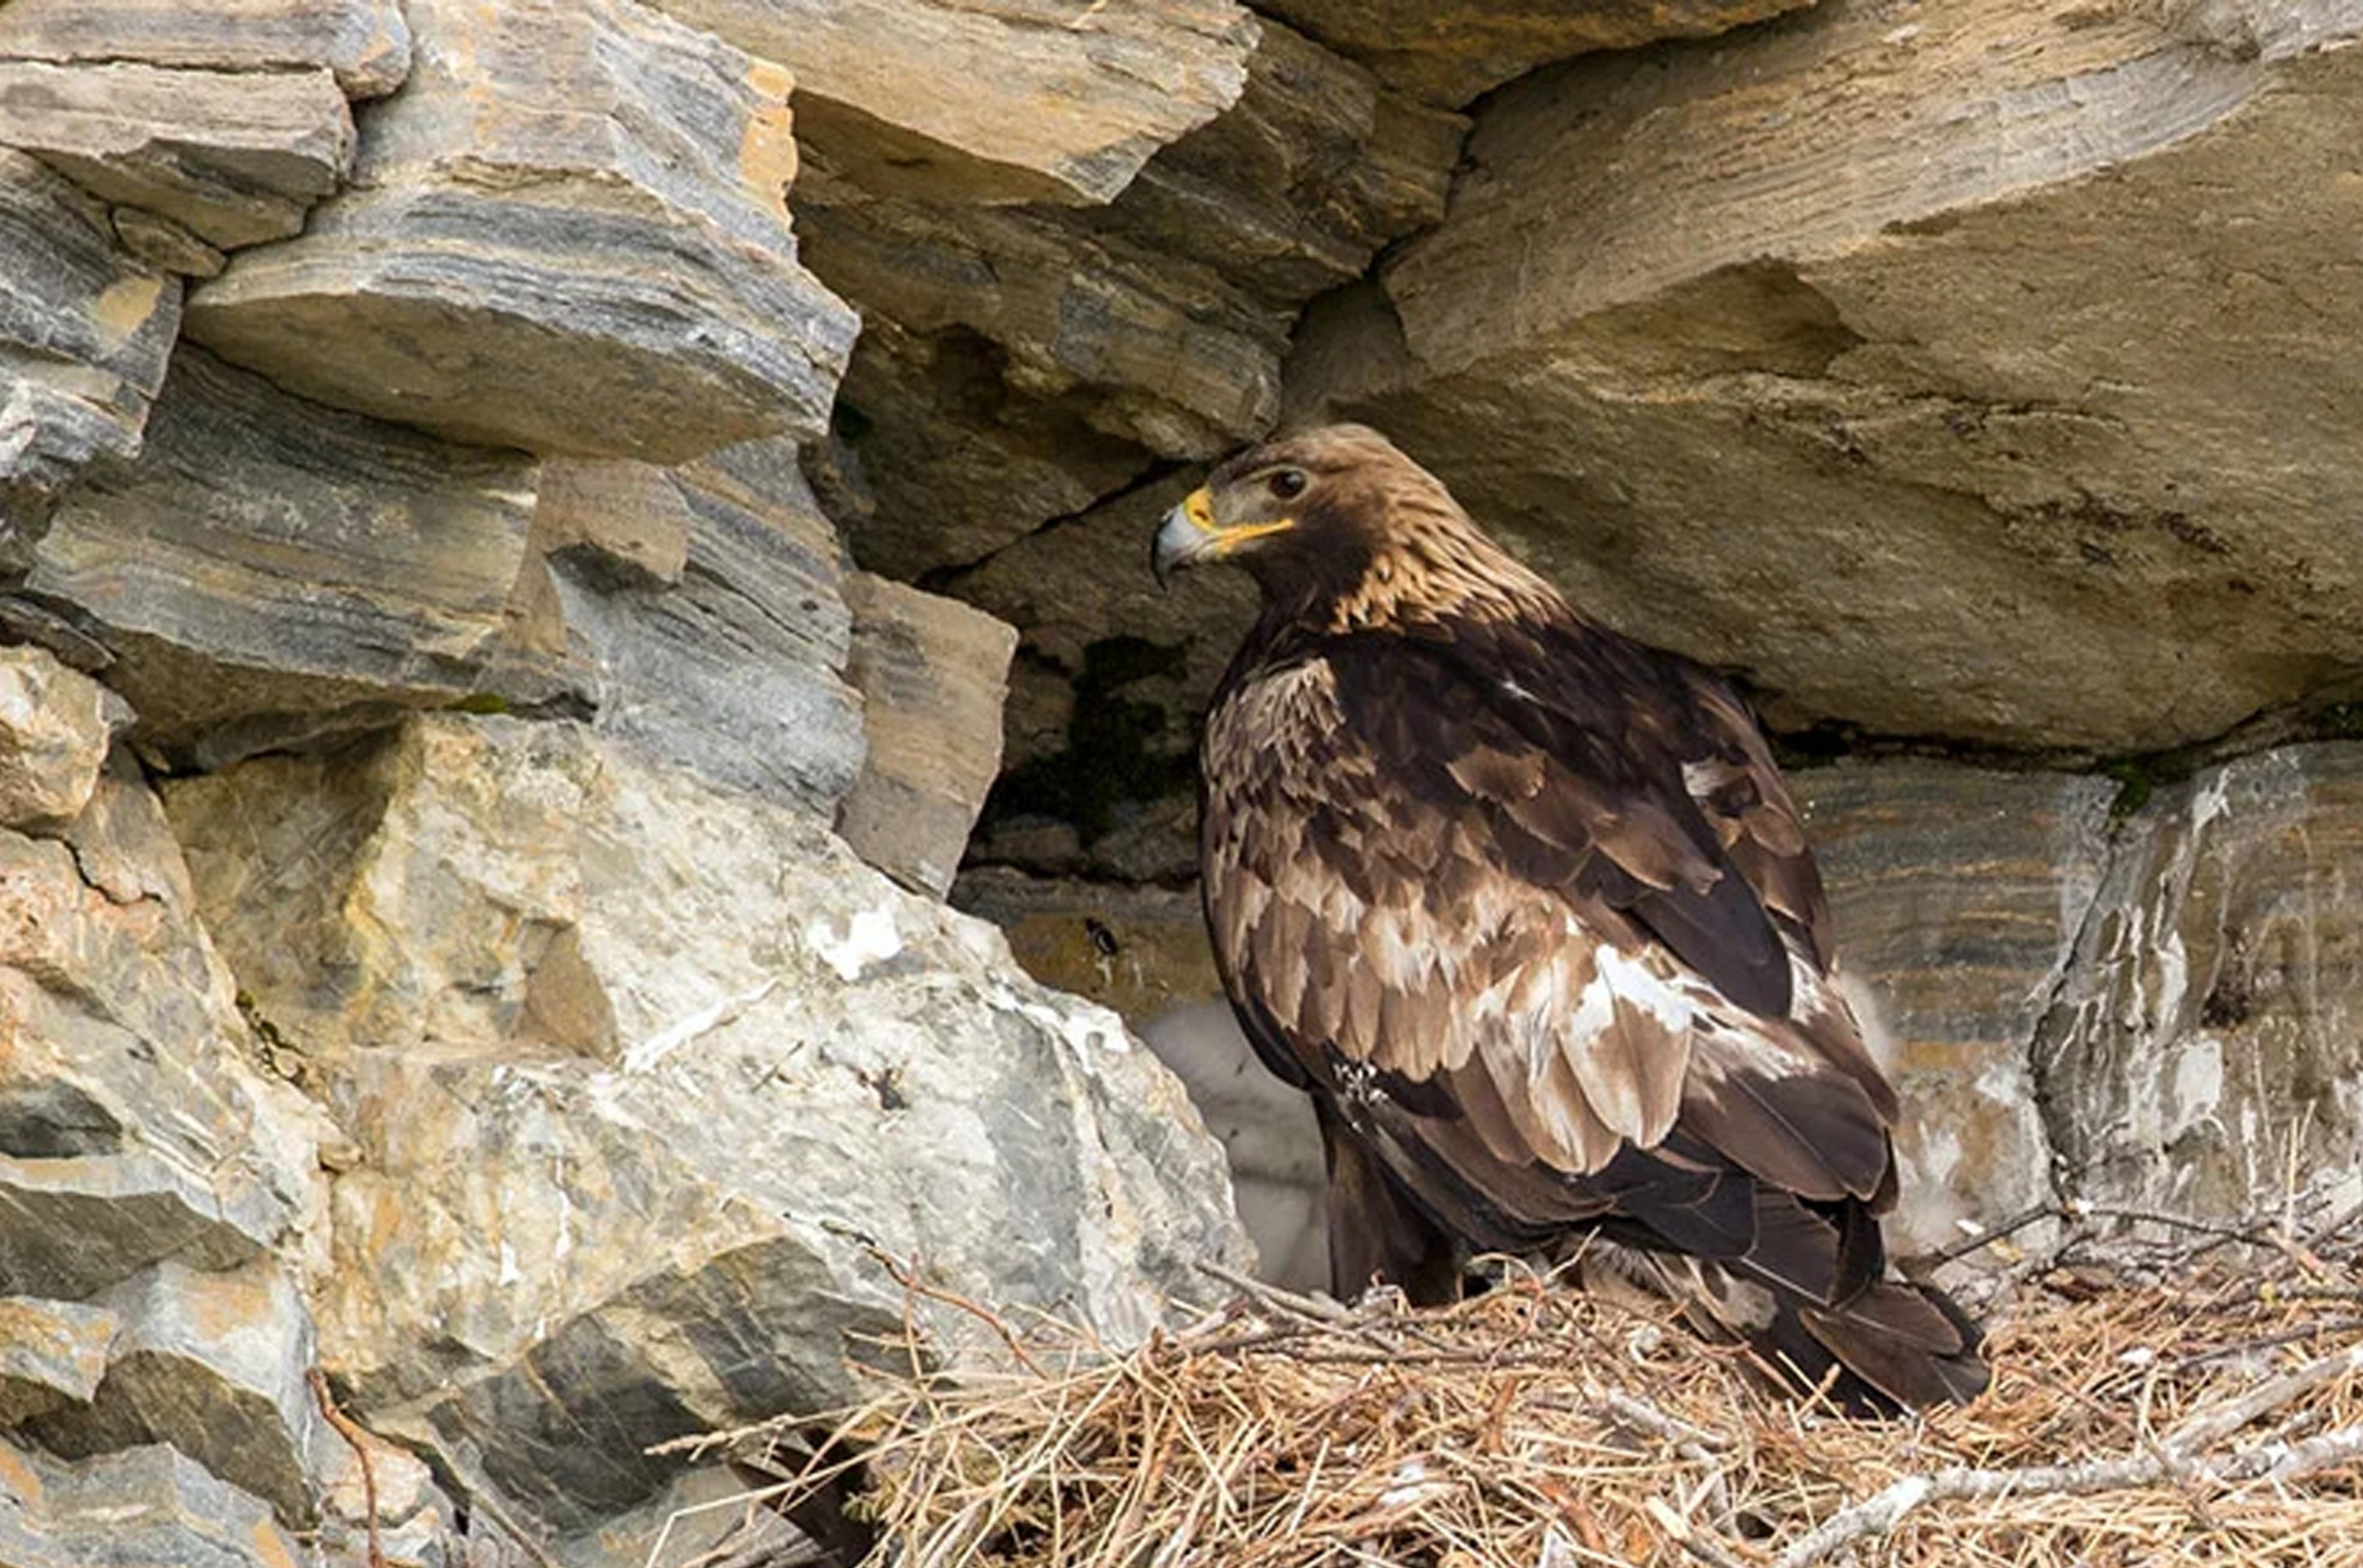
x=1021, y=363
x=55, y=728
x=234, y=158
x=1983, y=373
x=568, y=233
x=365, y=43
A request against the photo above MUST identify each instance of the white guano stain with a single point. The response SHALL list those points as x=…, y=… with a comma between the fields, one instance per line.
x=641, y=1058
x=869, y=938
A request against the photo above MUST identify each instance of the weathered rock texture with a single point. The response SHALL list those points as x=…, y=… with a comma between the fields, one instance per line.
x=696, y=612
x=1007, y=101
x=205, y=127
x=85, y=333
x=1448, y=53
x=268, y=567
x=1960, y=896
x=643, y=1078
x=140, y=1505
x=932, y=673
x=567, y=234
x=1803, y=354
x=482, y=574
x=2207, y=1044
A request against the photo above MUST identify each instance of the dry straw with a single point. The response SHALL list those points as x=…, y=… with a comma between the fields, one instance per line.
x=2195, y=1402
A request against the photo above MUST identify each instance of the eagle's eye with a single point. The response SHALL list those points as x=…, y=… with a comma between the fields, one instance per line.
x=1286, y=484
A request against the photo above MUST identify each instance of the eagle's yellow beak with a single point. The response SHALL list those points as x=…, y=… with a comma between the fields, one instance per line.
x=1189, y=535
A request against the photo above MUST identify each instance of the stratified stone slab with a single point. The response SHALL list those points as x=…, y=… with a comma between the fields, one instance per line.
x=85, y=331
x=365, y=43
x=269, y=566
x=567, y=234
x=640, y=1071
x=233, y=158
x=51, y=1354
x=212, y=1363
x=1960, y=895
x=953, y=98
x=1448, y=51
x=149, y=1506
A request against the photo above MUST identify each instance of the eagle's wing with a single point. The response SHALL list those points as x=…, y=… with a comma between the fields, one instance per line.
x=1542, y=918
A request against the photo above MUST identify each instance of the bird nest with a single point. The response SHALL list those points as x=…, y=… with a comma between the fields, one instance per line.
x=2198, y=1403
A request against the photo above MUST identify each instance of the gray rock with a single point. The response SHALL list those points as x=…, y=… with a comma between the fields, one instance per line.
x=51, y=1354
x=270, y=567
x=365, y=43
x=55, y=730
x=131, y=1129
x=2205, y=1044
x=932, y=673
x=1959, y=897
x=85, y=333
x=941, y=99
x=734, y=671
x=639, y=1072
x=143, y=1508
x=212, y=1363
x=235, y=158
x=1831, y=396
x=566, y=233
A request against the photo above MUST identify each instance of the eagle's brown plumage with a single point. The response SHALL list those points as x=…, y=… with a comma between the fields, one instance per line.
x=1526, y=908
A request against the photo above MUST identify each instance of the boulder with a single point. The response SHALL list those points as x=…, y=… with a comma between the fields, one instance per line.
x=214, y=1364
x=1791, y=356
x=2203, y=1050
x=567, y=234
x=149, y=1505
x=234, y=158
x=365, y=44
x=932, y=673
x=1451, y=53
x=86, y=330
x=269, y=569
x=733, y=668
x=646, y=1081
x=938, y=99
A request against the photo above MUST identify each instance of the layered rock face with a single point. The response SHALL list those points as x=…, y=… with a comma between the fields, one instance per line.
x=531, y=533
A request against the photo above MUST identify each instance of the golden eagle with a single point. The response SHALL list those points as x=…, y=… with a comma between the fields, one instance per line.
x=1525, y=907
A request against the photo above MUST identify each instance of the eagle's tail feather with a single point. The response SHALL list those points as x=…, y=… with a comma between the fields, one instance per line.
x=1879, y=1346
x=1894, y=1345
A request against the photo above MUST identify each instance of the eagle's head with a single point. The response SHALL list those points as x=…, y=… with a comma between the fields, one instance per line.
x=1339, y=525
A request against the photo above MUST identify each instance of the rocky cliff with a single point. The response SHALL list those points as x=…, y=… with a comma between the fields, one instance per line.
x=529, y=532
